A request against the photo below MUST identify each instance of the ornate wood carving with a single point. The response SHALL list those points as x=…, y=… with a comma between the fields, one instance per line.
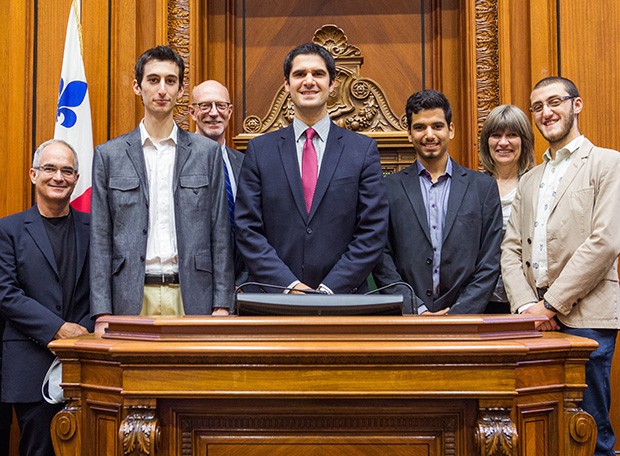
x=581, y=430
x=356, y=103
x=424, y=425
x=496, y=434
x=179, y=40
x=139, y=432
x=487, y=59
x=66, y=436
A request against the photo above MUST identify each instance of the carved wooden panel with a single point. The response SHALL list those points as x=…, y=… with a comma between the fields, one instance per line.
x=314, y=428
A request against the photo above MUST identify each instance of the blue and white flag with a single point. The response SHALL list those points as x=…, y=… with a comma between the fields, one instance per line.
x=73, y=119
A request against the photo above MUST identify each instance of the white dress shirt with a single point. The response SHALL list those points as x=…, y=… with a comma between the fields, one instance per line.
x=161, y=246
x=551, y=179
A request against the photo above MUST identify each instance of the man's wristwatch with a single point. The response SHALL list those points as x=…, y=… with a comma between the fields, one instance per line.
x=549, y=306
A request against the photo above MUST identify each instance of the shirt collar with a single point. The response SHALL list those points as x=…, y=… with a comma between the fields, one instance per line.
x=144, y=135
x=423, y=171
x=565, y=151
x=321, y=128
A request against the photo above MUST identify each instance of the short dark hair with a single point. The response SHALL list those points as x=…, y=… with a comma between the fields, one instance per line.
x=427, y=99
x=500, y=119
x=310, y=48
x=163, y=53
x=569, y=85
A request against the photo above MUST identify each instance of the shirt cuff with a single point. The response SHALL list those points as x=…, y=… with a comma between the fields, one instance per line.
x=524, y=307
x=325, y=289
x=291, y=286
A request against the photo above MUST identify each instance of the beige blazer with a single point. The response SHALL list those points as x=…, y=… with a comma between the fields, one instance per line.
x=583, y=241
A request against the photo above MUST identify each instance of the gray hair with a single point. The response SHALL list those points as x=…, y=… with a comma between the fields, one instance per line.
x=36, y=160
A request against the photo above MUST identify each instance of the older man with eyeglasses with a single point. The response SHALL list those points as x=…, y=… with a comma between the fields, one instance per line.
x=44, y=289
x=560, y=252
x=211, y=110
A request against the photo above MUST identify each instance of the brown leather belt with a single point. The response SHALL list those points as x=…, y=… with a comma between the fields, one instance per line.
x=161, y=279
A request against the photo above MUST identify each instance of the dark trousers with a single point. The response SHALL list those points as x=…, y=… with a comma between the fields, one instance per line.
x=597, y=396
x=34, y=419
x=6, y=417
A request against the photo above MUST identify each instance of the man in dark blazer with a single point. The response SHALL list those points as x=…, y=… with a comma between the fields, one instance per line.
x=445, y=225
x=160, y=229
x=311, y=211
x=44, y=289
x=211, y=110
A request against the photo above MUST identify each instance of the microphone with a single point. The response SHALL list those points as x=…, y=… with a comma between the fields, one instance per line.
x=414, y=302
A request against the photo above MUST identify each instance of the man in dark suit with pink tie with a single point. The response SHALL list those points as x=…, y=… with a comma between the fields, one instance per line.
x=311, y=211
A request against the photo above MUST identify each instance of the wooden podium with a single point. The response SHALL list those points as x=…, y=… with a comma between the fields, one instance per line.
x=226, y=386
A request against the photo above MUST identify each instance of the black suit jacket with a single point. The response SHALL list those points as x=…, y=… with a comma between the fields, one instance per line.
x=340, y=241
x=471, y=241
x=31, y=300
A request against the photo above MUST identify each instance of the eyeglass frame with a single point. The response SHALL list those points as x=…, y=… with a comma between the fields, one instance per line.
x=541, y=104
x=66, y=171
x=225, y=105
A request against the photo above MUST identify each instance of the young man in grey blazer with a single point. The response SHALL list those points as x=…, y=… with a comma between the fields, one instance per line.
x=160, y=233
x=560, y=253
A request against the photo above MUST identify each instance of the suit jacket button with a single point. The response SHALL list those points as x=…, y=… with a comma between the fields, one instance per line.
x=529, y=240
x=527, y=263
x=142, y=258
x=57, y=307
x=429, y=261
x=429, y=292
x=144, y=231
x=309, y=230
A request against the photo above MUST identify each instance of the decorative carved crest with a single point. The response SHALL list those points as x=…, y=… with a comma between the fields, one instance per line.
x=496, y=434
x=356, y=103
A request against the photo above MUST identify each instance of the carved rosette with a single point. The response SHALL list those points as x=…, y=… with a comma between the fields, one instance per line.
x=496, y=434
x=139, y=432
x=581, y=432
x=65, y=431
x=487, y=58
x=356, y=103
x=179, y=39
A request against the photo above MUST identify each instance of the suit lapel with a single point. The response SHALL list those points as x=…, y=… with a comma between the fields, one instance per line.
x=36, y=229
x=288, y=154
x=136, y=155
x=577, y=162
x=82, y=233
x=411, y=185
x=458, y=187
x=331, y=157
x=184, y=144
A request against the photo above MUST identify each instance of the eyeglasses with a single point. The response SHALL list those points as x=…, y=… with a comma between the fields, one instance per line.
x=66, y=171
x=552, y=103
x=221, y=106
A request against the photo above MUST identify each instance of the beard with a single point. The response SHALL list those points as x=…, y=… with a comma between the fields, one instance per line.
x=566, y=125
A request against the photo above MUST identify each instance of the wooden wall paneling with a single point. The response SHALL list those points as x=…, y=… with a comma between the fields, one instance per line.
x=387, y=32
x=544, y=53
x=589, y=53
x=50, y=35
x=95, y=51
x=16, y=48
x=515, y=74
x=451, y=63
x=125, y=109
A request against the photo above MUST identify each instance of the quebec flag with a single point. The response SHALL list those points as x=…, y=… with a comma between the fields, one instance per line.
x=73, y=120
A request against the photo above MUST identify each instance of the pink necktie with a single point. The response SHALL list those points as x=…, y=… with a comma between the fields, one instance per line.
x=309, y=168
